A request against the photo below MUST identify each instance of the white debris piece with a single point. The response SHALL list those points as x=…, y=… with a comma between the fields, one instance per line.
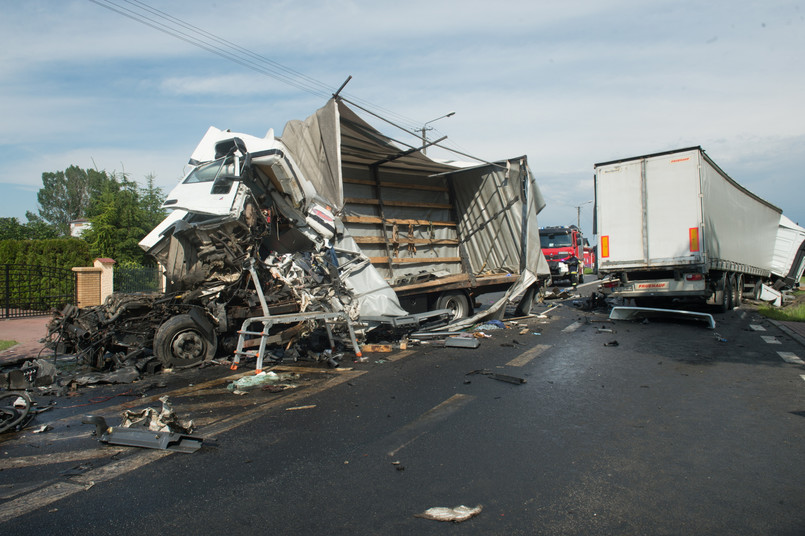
x=456, y=515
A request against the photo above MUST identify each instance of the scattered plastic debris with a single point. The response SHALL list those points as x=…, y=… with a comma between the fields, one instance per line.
x=611, y=343
x=456, y=515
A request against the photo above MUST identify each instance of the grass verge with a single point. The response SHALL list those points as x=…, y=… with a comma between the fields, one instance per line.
x=792, y=313
x=5, y=345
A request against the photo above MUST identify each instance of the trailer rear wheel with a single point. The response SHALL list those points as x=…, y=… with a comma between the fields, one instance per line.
x=181, y=342
x=738, y=290
x=725, y=288
x=456, y=302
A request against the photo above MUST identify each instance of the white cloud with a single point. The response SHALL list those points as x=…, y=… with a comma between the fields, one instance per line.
x=567, y=83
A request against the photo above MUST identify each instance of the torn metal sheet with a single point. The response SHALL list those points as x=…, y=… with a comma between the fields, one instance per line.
x=770, y=295
x=462, y=342
x=633, y=313
x=501, y=377
x=133, y=437
x=164, y=420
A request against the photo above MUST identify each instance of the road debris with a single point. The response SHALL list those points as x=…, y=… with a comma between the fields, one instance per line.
x=15, y=410
x=644, y=313
x=456, y=515
x=265, y=380
x=462, y=342
x=164, y=420
x=500, y=377
x=296, y=408
x=142, y=437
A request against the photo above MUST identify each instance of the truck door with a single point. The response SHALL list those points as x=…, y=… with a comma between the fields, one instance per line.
x=673, y=208
x=620, y=214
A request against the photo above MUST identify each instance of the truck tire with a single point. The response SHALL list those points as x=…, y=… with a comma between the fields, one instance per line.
x=456, y=302
x=180, y=342
x=725, y=287
x=738, y=290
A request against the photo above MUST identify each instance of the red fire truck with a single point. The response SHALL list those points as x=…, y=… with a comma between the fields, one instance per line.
x=563, y=248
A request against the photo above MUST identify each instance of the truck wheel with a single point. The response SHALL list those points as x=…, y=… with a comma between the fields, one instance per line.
x=725, y=287
x=456, y=302
x=181, y=342
x=738, y=290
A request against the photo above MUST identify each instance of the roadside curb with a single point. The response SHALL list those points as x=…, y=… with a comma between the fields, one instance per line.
x=788, y=331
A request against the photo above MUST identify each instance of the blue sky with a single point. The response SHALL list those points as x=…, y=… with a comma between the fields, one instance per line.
x=568, y=83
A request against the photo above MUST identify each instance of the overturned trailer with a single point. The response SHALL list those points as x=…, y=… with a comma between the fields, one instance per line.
x=333, y=217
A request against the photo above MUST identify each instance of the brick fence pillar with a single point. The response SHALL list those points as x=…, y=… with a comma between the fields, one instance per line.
x=107, y=267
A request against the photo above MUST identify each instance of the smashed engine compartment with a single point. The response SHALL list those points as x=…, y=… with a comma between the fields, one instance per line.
x=199, y=317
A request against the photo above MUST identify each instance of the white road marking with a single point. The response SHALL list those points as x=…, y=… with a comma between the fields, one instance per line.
x=528, y=355
x=412, y=431
x=757, y=327
x=790, y=357
x=802, y=376
x=770, y=339
x=572, y=327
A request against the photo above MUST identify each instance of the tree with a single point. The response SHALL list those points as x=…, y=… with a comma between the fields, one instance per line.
x=151, y=199
x=66, y=195
x=119, y=211
x=35, y=229
x=120, y=216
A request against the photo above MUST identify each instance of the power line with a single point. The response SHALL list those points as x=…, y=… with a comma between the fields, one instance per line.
x=147, y=15
x=161, y=21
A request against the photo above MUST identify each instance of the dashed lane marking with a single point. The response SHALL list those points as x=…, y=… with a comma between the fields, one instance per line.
x=770, y=339
x=412, y=431
x=572, y=327
x=756, y=327
x=528, y=355
x=802, y=376
x=790, y=357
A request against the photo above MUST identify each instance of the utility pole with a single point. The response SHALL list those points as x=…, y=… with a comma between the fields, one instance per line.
x=425, y=128
x=578, y=213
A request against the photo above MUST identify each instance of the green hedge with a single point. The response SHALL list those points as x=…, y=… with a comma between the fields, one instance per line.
x=58, y=252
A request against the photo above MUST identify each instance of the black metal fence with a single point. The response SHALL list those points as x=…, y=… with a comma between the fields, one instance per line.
x=137, y=279
x=29, y=290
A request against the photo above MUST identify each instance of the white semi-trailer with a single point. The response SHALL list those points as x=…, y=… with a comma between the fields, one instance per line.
x=673, y=226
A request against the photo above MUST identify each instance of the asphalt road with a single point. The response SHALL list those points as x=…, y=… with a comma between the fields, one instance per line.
x=677, y=429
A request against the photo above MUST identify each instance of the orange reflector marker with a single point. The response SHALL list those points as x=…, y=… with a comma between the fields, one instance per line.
x=605, y=246
x=694, y=239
